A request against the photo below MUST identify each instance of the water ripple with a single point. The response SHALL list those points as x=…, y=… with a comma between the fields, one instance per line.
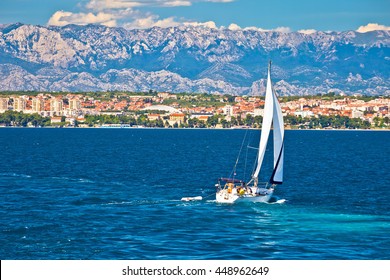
x=118, y=197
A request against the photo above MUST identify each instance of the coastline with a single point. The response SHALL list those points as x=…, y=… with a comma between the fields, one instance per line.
x=197, y=128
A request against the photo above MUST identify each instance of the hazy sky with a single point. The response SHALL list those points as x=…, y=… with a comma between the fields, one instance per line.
x=284, y=15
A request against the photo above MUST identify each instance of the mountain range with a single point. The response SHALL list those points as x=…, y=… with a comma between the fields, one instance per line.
x=192, y=59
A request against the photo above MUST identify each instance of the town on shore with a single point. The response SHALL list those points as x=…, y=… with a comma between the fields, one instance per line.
x=162, y=109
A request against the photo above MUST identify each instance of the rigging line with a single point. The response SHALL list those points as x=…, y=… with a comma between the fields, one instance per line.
x=239, y=154
x=255, y=163
x=246, y=160
x=254, y=166
x=209, y=195
x=246, y=155
x=250, y=147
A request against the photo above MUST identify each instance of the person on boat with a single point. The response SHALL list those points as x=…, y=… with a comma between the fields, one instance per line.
x=240, y=190
x=230, y=187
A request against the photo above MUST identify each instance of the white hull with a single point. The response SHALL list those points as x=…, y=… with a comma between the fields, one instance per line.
x=223, y=196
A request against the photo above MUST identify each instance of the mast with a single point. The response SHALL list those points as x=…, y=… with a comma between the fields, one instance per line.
x=266, y=124
x=272, y=115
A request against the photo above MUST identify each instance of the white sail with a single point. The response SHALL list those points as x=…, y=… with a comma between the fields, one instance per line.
x=277, y=174
x=266, y=124
x=236, y=190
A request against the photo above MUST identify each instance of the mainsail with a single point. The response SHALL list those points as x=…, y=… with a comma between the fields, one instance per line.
x=272, y=114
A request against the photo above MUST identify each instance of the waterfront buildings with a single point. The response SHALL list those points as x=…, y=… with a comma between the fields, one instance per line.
x=56, y=107
x=3, y=104
x=74, y=104
x=177, y=118
x=38, y=105
x=188, y=107
x=19, y=104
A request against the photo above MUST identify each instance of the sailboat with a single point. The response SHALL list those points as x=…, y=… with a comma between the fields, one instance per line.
x=232, y=190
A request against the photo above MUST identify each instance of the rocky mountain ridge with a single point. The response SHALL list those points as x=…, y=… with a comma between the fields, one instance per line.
x=192, y=59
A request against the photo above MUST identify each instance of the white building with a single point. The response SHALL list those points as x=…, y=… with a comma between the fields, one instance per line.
x=304, y=114
x=201, y=115
x=37, y=105
x=56, y=107
x=3, y=104
x=19, y=104
x=357, y=114
x=228, y=110
x=74, y=104
x=258, y=112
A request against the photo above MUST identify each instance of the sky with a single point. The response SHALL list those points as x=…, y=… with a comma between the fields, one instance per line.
x=280, y=15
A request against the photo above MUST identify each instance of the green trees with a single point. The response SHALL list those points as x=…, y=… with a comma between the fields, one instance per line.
x=249, y=120
x=13, y=118
x=213, y=121
x=142, y=119
x=337, y=122
x=386, y=121
x=92, y=120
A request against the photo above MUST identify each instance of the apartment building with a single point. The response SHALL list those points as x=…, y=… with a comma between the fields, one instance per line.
x=38, y=105
x=4, y=104
x=19, y=104
x=56, y=107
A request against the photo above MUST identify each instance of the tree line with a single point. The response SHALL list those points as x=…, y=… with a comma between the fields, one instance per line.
x=13, y=118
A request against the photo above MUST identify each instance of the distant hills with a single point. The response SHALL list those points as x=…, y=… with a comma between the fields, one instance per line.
x=192, y=59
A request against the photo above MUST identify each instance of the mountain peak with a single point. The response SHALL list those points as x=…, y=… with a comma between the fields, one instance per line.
x=193, y=58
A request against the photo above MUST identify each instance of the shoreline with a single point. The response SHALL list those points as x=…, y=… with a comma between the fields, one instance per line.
x=196, y=128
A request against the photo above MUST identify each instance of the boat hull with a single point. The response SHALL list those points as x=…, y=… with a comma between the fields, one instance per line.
x=223, y=196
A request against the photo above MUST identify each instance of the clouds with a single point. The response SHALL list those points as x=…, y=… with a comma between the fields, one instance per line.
x=99, y=5
x=362, y=29
x=150, y=21
x=136, y=14
x=220, y=1
x=61, y=18
x=125, y=4
x=307, y=31
x=234, y=26
x=207, y=24
x=371, y=27
x=124, y=13
x=177, y=3
x=281, y=29
x=127, y=13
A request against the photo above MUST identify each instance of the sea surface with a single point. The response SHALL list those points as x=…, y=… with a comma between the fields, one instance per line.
x=115, y=194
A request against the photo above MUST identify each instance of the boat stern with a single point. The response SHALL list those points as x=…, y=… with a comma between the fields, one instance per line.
x=224, y=196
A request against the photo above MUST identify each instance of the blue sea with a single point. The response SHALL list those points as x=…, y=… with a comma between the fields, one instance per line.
x=115, y=194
